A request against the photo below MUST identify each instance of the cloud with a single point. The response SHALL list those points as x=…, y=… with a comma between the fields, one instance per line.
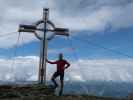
x=19, y=69
x=77, y=15
x=26, y=69
x=99, y=19
x=104, y=69
x=14, y=39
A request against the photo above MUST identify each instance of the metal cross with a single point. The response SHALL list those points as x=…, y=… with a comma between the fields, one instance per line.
x=44, y=40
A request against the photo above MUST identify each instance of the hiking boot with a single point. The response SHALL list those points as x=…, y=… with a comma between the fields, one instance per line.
x=60, y=92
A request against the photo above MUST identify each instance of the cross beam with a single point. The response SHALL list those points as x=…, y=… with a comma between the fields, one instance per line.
x=43, y=50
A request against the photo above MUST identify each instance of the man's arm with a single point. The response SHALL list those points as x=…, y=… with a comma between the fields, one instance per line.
x=67, y=65
x=51, y=62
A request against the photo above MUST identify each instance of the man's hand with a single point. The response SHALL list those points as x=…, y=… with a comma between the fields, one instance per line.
x=51, y=62
x=46, y=60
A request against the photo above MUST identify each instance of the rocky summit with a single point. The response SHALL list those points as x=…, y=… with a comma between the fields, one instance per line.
x=41, y=92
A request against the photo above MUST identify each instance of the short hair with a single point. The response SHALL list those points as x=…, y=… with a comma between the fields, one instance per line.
x=60, y=54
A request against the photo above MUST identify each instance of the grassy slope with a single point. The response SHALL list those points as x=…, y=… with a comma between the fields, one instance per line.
x=40, y=92
x=62, y=98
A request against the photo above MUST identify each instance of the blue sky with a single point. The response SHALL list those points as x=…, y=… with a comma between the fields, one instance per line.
x=100, y=38
x=79, y=46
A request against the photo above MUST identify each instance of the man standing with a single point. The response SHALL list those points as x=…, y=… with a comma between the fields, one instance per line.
x=61, y=66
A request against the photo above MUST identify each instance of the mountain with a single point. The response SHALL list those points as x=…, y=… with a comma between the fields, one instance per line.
x=99, y=88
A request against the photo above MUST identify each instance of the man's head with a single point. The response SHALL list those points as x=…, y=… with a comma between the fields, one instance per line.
x=60, y=56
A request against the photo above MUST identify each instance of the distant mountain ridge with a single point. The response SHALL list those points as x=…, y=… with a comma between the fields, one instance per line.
x=99, y=88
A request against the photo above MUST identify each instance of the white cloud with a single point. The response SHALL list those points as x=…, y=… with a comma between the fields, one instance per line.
x=19, y=68
x=106, y=69
x=26, y=68
x=12, y=40
x=91, y=15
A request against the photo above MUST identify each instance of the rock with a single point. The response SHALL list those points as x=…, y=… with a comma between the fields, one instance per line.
x=7, y=91
x=130, y=96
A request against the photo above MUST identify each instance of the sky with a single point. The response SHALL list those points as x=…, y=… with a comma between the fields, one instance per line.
x=99, y=46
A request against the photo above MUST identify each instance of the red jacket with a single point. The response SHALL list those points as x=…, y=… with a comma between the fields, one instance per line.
x=61, y=65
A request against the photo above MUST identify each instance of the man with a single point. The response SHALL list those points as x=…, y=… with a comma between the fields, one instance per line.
x=61, y=66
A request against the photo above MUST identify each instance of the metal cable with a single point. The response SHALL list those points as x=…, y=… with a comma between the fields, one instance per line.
x=7, y=34
x=105, y=48
x=15, y=53
x=77, y=58
x=73, y=48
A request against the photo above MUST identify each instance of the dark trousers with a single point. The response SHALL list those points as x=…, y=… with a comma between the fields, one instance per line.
x=55, y=75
